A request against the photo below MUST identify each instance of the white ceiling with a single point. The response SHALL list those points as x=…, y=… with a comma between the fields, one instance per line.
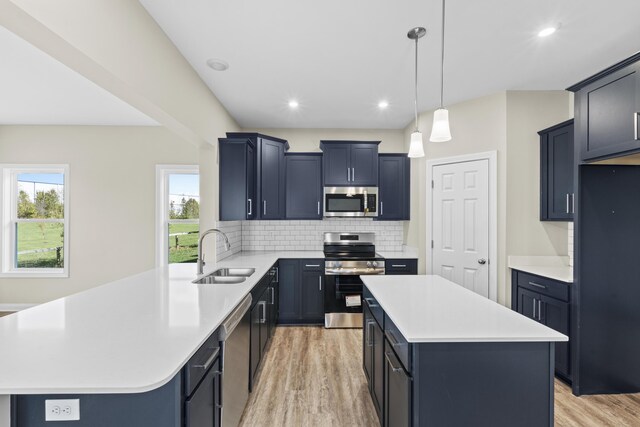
x=36, y=89
x=339, y=58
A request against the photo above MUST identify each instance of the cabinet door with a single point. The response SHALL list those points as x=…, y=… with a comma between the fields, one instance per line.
x=289, y=295
x=555, y=314
x=377, y=390
x=255, y=342
x=304, y=187
x=606, y=114
x=312, y=303
x=557, y=175
x=234, y=177
x=271, y=180
x=364, y=165
x=393, y=188
x=336, y=164
x=200, y=408
x=397, y=408
x=367, y=345
x=264, y=320
x=528, y=303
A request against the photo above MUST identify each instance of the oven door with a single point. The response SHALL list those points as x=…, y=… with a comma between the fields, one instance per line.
x=343, y=301
x=342, y=205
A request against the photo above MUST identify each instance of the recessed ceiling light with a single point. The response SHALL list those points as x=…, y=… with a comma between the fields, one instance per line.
x=547, y=31
x=218, y=64
x=383, y=104
x=293, y=103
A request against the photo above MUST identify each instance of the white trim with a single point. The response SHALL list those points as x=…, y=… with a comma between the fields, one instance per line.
x=7, y=189
x=15, y=307
x=492, y=157
x=162, y=196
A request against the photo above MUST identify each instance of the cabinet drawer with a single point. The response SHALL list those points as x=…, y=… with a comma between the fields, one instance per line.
x=398, y=343
x=373, y=305
x=312, y=264
x=200, y=363
x=401, y=266
x=544, y=286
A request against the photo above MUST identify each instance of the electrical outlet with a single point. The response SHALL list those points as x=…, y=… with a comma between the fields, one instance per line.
x=62, y=410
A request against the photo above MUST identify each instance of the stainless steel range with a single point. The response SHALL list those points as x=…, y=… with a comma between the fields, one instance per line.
x=347, y=257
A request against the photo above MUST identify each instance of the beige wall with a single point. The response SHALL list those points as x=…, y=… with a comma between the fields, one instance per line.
x=112, y=199
x=506, y=122
x=308, y=140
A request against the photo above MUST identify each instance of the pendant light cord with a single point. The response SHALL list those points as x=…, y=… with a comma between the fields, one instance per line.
x=442, y=60
x=416, y=87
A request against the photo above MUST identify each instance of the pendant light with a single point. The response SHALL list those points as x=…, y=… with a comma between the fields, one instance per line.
x=440, y=131
x=415, y=148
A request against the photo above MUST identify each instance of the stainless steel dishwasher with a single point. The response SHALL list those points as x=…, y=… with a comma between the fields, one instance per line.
x=234, y=334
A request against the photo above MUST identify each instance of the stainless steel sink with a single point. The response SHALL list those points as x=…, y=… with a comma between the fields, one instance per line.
x=226, y=275
x=242, y=272
x=210, y=279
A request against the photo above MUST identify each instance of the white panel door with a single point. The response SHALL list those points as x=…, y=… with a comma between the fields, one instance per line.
x=460, y=215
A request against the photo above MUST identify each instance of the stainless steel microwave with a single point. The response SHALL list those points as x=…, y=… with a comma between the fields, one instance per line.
x=350, y=201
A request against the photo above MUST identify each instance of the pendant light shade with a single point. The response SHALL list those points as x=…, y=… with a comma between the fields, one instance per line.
x=416, y=149
x=440, y=131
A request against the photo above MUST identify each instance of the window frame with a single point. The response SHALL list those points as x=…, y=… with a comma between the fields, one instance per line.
x=162, y=212
x=9, y=218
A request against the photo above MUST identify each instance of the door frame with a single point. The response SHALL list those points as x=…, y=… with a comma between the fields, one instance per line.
x=492, y=158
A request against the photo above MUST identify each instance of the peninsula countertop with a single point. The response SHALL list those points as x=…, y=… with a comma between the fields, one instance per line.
x=552, y=267
x=128, y=336
x=430, y=309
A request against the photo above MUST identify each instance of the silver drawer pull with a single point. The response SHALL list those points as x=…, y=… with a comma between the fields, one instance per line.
x=567, y=210
x=398, y=265
x=371, y=304
x=394, y=367
x=392, y=338
x=209, y=361
x=312, y=265
x=537, y=285
x=635, y=124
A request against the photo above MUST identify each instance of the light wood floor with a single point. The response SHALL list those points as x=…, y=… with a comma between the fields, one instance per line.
x=313, y=377
x=5, y=313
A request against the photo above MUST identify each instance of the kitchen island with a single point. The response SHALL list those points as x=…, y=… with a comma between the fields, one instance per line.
x=436, y=353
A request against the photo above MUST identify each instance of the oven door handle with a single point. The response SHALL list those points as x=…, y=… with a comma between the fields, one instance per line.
x=353, y=272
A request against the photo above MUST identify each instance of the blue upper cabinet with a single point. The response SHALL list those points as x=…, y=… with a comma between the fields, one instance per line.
x=607, y=106
x=350, y=163
x=268, y=175
x=394, y=188
x=303, y=186
x=556, y=173
x=237, y=179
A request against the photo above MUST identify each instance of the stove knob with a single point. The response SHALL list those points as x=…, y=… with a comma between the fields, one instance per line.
x=369, y=264
x=374, y=264
x=339, y=264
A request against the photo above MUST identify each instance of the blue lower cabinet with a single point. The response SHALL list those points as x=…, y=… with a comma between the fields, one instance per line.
x=401, y=266
x=301, y=291
x=373, y=359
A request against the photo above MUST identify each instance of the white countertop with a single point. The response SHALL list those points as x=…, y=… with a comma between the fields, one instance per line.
x=433, y=309
x=553, y=267
x=131, y=335
x=407, y=252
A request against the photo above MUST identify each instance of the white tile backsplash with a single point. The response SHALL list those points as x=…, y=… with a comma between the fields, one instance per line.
x=233, y=230
x=308, y=235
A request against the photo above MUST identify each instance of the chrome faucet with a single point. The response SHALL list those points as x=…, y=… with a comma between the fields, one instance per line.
x=227, y=246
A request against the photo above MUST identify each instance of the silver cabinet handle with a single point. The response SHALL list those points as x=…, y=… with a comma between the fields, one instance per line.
x=312, y=265
x=264, y=207
x=371, y=304
x=369, y=333
x=209, y=361
x=318, y=208
x=381, y=208
x=348, y=175
x=537, y=285
x=534, y=308
x=277, y=274
x=392, y=338
x=250, y=207
x=353, y=174
x=263, y=309
x=273, y=296
x=567, y=210
x=539, y=310
x=635, y=124
x=573, y=203
x=399, y=265
x=320, y=283
x=394, y=367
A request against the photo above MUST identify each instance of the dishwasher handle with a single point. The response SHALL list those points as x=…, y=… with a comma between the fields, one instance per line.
x=232, y=320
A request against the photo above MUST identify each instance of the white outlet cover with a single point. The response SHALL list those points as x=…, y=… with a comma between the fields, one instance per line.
x=62, y=409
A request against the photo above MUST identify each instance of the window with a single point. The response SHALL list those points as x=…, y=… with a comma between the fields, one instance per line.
x=177, y=214
x=35, y=220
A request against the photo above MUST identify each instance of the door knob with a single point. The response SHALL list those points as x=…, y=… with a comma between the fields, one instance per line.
x=482, y=261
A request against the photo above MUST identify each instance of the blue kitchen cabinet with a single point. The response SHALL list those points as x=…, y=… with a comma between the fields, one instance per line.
x=301, y=291
x=394, y=189
x=237, y=177
x=350, y=163
x=303, y=186
x=556, y=173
